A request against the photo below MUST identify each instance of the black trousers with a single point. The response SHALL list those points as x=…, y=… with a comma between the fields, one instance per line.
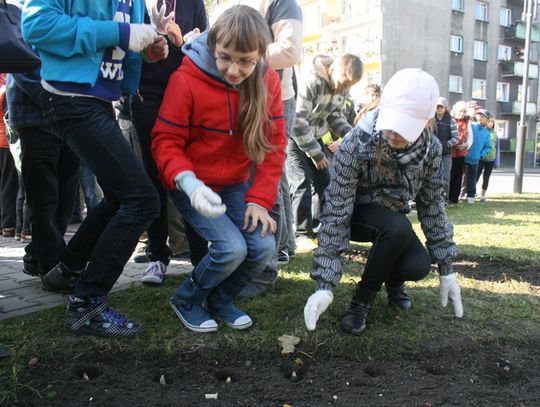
x=50, y=174
x=397, y=254
x=9, y=186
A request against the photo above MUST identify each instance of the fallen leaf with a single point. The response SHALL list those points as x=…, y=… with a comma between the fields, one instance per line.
x=288, y=343
x=162, y=380
x=33, y=361
x=211, y=396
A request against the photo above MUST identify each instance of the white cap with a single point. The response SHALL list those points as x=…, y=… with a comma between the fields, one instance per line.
x=408, y=101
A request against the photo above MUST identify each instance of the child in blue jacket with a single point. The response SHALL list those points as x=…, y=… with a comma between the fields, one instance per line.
x=480, y=147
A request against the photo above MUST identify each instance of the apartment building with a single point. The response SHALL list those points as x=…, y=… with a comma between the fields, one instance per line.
x=473, y=48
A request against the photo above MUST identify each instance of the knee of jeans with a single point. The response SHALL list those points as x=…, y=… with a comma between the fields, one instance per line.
x=263, y=250
x=231, y=253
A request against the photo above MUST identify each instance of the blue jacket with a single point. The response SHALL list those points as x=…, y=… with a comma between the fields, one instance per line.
x=481, y=145
x=72, y=35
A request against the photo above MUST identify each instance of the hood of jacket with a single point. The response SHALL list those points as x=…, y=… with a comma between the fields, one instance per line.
x=201, y=55
x=321, y=63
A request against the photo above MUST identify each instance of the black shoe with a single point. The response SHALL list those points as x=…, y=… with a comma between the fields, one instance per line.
x=398, y=298
x=141, y=258
x=355, y=319
x=32, y=269
x=60, y=279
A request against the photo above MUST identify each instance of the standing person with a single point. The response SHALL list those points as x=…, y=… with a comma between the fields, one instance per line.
x=480, y=148
x=487, y=162
x=221, y=115
x=318, y=109
x=447, y=133
x=186, y=16
x=90, y=55
x=284, y=18
x=9, y=183
x=459, y=151
x=388, y=159
x=49, y=173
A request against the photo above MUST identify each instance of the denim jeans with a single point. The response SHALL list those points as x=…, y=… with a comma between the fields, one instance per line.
x=304, y=177
x=234, y=256
x=143, y=116
x=286, y=238
x=107, y=237
x=23, y=211
x=50, y=173
x=91, y=190
x=397, y=255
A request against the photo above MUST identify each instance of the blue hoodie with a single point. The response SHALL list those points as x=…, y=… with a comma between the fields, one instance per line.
x=481, y=145
x=72, y=36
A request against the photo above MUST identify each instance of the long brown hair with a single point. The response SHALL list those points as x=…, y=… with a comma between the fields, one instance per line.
x=243, y=29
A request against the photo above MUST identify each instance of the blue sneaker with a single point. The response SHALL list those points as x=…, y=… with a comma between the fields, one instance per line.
x=92, y=316
x=234, y=317
x=193, y=316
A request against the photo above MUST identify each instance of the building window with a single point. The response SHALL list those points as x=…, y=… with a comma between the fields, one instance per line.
x=520, y=93
x=456, y=43
x=505, y=53
x=458, y=5
x=505, y=17
x=501, y=128
x=480, y=50
x=481, y=11
x=455, y=84
x=503, y=92
x=479, y=89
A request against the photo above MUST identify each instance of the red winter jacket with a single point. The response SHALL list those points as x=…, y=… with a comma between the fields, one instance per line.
x=197, y=130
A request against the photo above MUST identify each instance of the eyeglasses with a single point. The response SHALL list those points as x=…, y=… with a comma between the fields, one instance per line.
x=226, y=61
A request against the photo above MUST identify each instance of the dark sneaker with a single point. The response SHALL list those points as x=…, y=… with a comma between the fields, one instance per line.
x=193, y=316
x=93, y=317
x=141, y=255
x=60, y=279
x=398, y=298
x=355, y=319
x=283, y=257
x=233, y=317
x=32, y=269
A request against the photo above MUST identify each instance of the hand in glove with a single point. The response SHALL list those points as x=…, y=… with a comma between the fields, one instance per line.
x=159, y=20
x=449, y=288
x=141, y=36
x=316, y=304
x=207, y=202
x=203, y=199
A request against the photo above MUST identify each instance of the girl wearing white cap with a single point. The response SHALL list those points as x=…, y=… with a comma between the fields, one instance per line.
x=389, y=159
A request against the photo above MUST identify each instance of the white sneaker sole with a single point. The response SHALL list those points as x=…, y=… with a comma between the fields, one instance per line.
x=151, y=280
x=194, y=328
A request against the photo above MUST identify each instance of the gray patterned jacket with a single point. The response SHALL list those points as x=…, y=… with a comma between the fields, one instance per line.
x=413, y=174
x=318, y=109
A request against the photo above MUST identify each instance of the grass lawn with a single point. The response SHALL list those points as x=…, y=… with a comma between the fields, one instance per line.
x=504, y=231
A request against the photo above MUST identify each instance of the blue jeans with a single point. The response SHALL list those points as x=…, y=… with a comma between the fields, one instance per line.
x=234, y=256
x=107, y=237
x=471, y=170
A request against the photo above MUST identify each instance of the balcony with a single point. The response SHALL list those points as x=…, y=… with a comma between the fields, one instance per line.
x=514, y=108
x=518, y=30
x=516, y=68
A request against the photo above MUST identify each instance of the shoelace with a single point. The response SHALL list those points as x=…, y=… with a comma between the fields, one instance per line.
x=114, y=316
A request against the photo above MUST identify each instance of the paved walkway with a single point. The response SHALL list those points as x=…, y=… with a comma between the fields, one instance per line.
x=21, y=294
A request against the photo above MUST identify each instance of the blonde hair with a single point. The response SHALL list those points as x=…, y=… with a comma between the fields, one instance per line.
x=243, y=29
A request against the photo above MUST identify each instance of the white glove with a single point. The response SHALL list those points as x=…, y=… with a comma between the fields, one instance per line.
x=158, y=19
x=449, y=288
x=316, y=304
x=207, y=202
x=141, y=36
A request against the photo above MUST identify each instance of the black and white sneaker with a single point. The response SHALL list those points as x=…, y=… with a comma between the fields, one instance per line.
x=92, y=316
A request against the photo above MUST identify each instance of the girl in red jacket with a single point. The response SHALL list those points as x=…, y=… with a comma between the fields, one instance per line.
x=222, y=117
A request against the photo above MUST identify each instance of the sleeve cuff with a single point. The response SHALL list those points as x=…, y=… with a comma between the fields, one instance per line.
x=445, y=269
x=124, y=33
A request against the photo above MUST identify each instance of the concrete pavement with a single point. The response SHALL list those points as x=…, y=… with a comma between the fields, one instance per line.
x=21, y=294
